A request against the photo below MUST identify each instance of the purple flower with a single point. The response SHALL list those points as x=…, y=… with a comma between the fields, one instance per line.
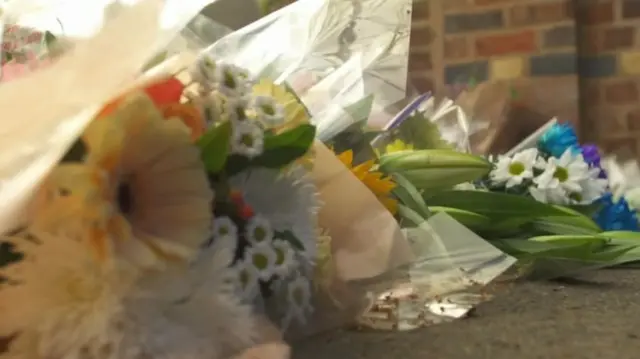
x=591, y=155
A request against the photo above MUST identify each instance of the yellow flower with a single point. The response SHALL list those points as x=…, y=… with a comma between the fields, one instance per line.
x=396, y=146
x=380, y=185
x=295, y=112
x=154, y=177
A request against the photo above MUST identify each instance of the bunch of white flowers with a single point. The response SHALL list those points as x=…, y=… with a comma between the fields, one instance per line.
x=565, y=180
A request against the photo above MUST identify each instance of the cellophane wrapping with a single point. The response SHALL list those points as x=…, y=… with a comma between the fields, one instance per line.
x=348, y=65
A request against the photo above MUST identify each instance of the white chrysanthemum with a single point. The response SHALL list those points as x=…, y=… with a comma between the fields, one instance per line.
x=298, y=300
x=246, y=279
x=154, y=175
x=512, y=171
x=263, y=258
x=561, y=177
x=247, y=139
x=290, y=204
x=235, y=109
x=231, y=81
x=204, y=71
x=259, y=230
x=266, y=110
x=285, y=257
x=224, y=227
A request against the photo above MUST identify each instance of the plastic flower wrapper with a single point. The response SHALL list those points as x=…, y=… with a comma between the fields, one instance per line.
x=317, y=39
x=108, y=209
x=36, y=35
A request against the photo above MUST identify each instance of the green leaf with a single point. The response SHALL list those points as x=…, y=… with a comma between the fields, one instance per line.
x=497, y=206
x=419, y=131
x=291, y=238
x=360, y=110
x=300, y=137
x=214, y=147
x=410, y=215
x=469, y=219
x=566, y=225
x=279, y=150
x=409, y=196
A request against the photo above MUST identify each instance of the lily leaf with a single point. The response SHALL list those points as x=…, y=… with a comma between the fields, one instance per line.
x=498, y=206
x=409, y=195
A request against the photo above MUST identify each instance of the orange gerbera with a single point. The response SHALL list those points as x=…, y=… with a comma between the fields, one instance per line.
x=379, y=184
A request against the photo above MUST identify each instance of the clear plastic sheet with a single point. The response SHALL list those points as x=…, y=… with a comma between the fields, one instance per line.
x=350, y=73
x=45, y=211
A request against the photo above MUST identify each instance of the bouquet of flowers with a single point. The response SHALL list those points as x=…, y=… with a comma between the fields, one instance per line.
x=548, y=201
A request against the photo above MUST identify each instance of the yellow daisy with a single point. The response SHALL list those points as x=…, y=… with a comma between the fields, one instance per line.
x=295, y=113
x=380, y=185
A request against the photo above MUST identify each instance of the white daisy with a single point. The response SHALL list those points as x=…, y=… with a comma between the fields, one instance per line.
x=512, y=171
x=247, y=139
x=259, y=230
x=263, y=258
x=266, y=110
x=235, y=109
x=298, y=301
x=290, y=204
x=593, y=188
x=246, y=279
x=224, y=227
x=561, y=177
x=204, y=71
x=232, y=81
x=285, y=256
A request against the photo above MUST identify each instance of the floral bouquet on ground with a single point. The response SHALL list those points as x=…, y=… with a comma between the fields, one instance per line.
x=547, y=201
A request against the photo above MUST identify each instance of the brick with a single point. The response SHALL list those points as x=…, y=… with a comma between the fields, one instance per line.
x=456, y=48
x=504, y=44
x=630, y=62
x=462, y=73
x=590, y=93
x=597, y=66
x=420, y=60
x=493, y=2
x=421, y=10
x=630, y=9
x=621, y=93
x=618, y=38
x=488, y=20
x=553, y=64
x=595, y=12
x=590, y=41
x=624, y=148
x=450, y=5
x=421, y=35
x=541, y=13
x=507, y=68
x=559, y=36
x=421, y=83
x=633, y=119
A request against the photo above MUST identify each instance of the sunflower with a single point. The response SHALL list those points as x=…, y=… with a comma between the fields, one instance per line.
x=380, y=185
x=155, y=177
x=294, y=111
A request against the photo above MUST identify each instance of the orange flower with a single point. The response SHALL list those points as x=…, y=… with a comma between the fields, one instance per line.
x=162, y=93
x=189, y=115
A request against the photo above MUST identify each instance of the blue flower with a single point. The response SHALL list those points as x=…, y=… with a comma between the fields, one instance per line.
x=616, y=216
x=557, y=139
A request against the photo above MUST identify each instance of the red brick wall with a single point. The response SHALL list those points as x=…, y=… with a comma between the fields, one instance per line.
x=609, y=45
x=529, y=44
